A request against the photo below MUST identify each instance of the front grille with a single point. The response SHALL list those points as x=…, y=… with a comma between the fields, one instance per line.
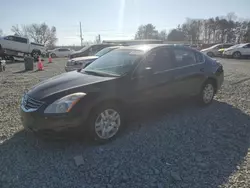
x=30, y=104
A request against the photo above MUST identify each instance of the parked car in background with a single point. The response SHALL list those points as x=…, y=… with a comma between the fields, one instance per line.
x=89, y=50
x=95, y=100
x=60, y=52
x=82, y=62
x=213, y=50
x=17, y=46
x=225, y=46
x=238, y=51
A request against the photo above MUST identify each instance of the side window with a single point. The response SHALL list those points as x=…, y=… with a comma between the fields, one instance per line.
x=247, y=46
x=159, y=60
x=184, y=57
x=94, y=49
x=199, y=57
x=9, y=38
x=20, y=39
x=60, y=49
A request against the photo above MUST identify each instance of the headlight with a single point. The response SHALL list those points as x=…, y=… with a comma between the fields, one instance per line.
x=64, y=104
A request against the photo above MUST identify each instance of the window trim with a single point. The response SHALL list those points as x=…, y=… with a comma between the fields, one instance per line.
x=133, y=75
x=194, y=52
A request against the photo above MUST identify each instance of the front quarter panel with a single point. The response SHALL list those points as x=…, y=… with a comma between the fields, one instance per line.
x=215, y=70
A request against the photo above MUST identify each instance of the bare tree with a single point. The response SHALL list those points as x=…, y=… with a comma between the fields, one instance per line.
x=39, y=33
x=192, y=29
x=223, y=29
x=147, y=32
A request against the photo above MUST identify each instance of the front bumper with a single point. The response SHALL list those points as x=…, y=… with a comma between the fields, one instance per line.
x=227, y=54
x=35, y=122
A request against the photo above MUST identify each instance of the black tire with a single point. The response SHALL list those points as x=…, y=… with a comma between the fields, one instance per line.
x=237, y=55
x=53, y=55
x=203, y=101
x=210, y=54
x=35, y=54
x=95, y=115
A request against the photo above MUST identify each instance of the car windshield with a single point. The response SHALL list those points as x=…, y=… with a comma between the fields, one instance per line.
x=84, y=48
x=103, y=51
x=116, y=63
x=235, y=46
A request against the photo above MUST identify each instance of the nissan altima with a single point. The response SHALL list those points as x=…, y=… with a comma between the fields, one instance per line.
x=95, y=98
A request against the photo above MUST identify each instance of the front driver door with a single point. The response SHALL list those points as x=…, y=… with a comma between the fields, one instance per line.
x=246, y=50
x=154, y=78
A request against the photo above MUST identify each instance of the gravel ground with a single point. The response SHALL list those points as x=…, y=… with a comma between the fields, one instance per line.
x=180, y=146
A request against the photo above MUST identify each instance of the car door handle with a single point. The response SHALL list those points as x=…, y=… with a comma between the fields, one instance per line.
x=202, y=69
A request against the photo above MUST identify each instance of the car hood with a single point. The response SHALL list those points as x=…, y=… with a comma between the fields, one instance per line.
x=206, y=49
x=229, y=49
x=66, y=83
x=84, y=58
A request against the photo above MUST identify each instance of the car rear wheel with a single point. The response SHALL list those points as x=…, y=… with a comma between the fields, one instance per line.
x=53, y=55
x=35, y=54
x=207, y=93
x=105, y=122
x=236, y=55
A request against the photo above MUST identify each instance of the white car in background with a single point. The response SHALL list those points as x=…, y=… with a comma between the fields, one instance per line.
x=17, y=46
x=213, y=50
x=60, y=52
x=238, y=51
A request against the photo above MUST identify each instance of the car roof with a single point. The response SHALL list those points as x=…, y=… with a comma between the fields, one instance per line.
x=148, y=47
x=114, y=47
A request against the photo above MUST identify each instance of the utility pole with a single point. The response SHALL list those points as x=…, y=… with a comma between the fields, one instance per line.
x=81, y=33
x=99, y=38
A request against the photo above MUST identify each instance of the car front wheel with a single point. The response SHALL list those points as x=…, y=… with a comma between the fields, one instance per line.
x=105, y=123
x=236, y=55
x=207, y=93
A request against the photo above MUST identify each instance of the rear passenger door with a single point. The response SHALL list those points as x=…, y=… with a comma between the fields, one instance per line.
x=189, y=72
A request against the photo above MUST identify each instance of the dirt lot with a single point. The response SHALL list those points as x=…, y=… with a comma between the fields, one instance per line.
x=173, y=145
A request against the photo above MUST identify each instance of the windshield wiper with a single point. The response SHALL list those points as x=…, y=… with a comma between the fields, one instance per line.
x=97, y=73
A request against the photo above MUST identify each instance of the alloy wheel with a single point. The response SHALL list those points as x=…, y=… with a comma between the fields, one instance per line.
x=107, y=124
x=236, y=55
x=208, y=93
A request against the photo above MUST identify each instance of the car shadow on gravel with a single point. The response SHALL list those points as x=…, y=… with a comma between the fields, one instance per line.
x=202, y=147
